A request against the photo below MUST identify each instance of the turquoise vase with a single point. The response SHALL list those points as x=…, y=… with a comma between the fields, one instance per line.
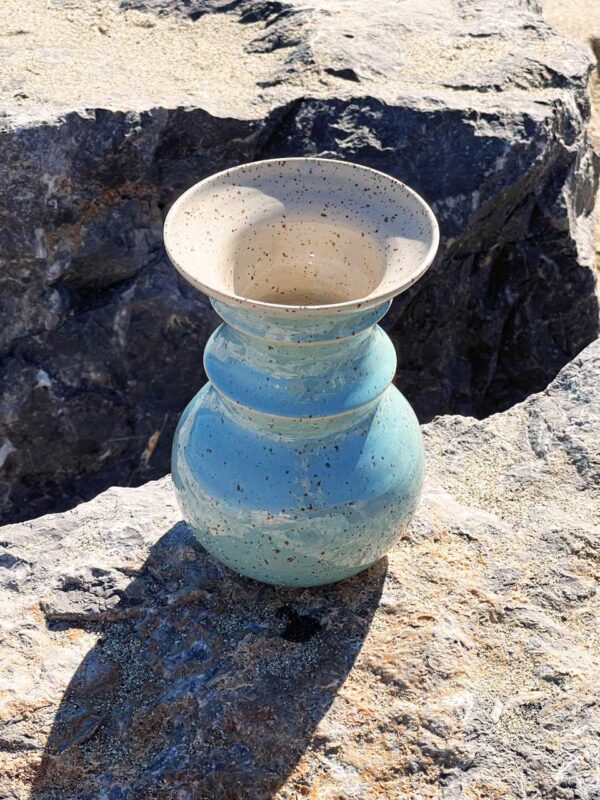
x=299, y=463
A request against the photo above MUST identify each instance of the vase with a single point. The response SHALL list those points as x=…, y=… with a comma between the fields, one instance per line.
x=299, y=463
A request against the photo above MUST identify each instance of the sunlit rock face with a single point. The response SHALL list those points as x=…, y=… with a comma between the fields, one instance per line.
x=480, y=107
x=463, y=665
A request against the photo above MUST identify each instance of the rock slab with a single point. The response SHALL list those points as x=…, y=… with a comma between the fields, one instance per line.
x=465, y=665
x=480, y=107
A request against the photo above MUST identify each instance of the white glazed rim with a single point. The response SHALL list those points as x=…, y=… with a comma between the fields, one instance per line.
x=368, y=301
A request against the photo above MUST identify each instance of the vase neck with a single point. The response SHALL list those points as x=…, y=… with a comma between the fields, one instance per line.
x=300, y=367
x=298, y=326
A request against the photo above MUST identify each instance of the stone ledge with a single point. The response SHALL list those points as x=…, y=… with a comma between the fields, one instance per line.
x=463, y=665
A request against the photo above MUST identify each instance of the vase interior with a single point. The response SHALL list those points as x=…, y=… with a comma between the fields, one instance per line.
x=305, y=262
x=301, y=233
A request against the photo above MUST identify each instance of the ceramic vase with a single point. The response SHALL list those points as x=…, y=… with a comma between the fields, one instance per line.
x=299, y=463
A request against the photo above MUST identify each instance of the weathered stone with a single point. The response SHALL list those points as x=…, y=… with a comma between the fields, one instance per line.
x=465, y=665
x=481, y=107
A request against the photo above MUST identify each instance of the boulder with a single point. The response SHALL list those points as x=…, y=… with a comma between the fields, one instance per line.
x=481, y=107
x=464, y=665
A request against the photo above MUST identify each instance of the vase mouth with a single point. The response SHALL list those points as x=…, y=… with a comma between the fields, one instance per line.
x=310, y=235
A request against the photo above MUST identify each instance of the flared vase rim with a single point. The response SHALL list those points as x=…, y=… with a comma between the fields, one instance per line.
x=230, y=298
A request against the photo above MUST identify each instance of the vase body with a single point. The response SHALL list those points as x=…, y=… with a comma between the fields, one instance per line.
x=299, y=463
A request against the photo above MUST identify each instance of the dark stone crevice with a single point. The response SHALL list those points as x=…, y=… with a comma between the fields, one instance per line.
x=102, y=341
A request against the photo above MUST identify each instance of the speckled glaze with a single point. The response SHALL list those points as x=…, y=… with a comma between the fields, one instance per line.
x=299, y=463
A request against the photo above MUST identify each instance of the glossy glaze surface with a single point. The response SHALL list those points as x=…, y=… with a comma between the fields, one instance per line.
x=299, y=464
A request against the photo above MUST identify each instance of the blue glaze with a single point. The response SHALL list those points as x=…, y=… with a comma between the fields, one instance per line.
x=299, y=463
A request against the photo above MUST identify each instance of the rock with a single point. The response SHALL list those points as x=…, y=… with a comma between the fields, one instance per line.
x=580, y=21
x=463, y=665
x=481, y=107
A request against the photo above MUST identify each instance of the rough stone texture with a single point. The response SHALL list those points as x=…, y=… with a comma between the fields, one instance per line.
x=479, y=106
x=581, y=20
x=465, y=665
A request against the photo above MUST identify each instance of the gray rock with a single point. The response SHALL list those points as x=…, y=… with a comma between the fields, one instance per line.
x=465, y=665
x=481, y=107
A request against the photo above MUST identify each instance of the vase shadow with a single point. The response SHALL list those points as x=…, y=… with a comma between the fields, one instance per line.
x=202, y=684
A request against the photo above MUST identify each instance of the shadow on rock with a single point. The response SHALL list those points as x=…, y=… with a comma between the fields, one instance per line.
x=202, y=684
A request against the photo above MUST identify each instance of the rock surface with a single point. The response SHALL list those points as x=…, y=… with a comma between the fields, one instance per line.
x=481, y=107
x=465, y=665
x=581, y=20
